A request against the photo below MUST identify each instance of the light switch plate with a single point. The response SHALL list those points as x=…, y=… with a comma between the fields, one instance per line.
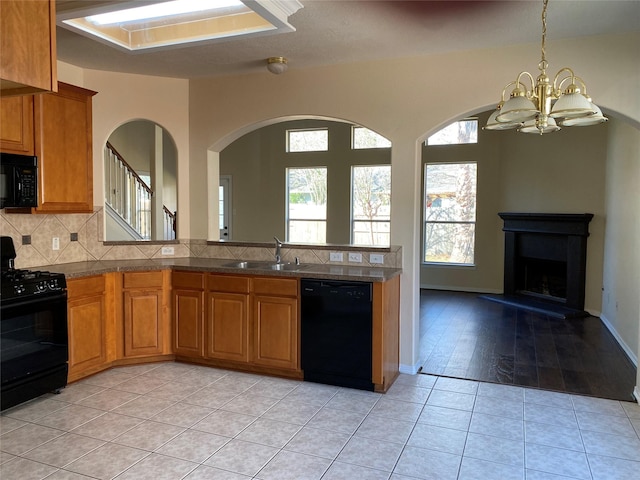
x=55, y=243
x=355, y=257
x=167, y=251
x=335, y=256
x=376, y=258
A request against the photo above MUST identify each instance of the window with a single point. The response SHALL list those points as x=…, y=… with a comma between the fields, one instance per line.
x=464, y=131
x=307, y=205
x=315, y=140
x=371, y=205
x=365, y=138
x=450, y=213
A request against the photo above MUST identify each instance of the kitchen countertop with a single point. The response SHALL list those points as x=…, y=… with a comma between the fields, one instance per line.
x=217, y=265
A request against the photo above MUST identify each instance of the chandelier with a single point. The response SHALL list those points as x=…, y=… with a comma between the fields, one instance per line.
x=545, y=107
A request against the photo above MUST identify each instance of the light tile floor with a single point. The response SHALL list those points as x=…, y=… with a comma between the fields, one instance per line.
x=179, y=421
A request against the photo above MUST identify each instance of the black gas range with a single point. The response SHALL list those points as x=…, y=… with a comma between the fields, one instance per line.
x=19, y=284
x=34, y=347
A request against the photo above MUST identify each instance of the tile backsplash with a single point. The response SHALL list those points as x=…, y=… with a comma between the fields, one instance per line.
x=79, y=240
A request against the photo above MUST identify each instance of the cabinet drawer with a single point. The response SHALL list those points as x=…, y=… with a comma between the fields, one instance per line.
x=86, y=286
x=190, y=280
x=275, y=286
x=142, y=279
x=228, y=283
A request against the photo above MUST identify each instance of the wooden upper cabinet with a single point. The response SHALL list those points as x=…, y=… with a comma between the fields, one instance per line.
x=16, y=125
x=28, y=46
x=63, y=145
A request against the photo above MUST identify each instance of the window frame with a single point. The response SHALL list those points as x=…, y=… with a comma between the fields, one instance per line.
x=296, y=130
x=360, y=127
x=288, y=218
x=353, y=220
x=425, y=222
x=468, y=119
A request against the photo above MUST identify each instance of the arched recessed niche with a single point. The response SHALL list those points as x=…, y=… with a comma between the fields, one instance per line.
x=140, y=177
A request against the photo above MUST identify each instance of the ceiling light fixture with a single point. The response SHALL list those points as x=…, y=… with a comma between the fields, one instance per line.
x=277, y=65
x=545, y=107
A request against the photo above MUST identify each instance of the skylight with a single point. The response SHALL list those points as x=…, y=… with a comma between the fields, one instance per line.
x=169, y=23
x=151, y=12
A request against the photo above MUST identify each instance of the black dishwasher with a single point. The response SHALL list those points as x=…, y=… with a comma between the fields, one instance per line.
x=336, y=318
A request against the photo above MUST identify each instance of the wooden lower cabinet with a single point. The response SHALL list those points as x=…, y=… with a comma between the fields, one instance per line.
x=275, y=323
x=246, y=322
x=253, y=322
x=87, y=326
x=227, y=318
x=145, y=318
x=275, y=332
x=188, y=311
x=386, y=333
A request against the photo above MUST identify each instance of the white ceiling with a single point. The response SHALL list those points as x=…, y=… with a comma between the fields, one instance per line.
x=345, y=31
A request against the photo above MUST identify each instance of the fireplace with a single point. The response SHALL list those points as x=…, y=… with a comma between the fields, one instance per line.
x=545, y=261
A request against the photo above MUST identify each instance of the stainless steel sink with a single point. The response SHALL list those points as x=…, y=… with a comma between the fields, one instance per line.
x=256, y=265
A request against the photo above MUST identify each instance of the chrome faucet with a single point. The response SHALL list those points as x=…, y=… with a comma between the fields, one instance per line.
x=278, y=247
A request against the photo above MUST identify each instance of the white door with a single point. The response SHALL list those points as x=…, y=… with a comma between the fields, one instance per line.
x=224, y=207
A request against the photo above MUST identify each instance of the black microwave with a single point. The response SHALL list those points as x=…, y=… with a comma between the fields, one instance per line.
x=18, y=180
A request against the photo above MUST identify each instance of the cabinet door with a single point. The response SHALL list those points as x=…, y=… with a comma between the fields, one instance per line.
x=87, y=335
x=16, y=125
x=187, y=321
x=142, y=322
x=227, y=326
x=28, y=39
x=63, y=143
x=275, y=332
x=87, y=325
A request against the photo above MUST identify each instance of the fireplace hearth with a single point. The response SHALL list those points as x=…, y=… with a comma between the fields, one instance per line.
x=545, y=262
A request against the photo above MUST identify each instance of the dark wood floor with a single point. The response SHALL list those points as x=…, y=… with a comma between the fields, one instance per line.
x=465, y=336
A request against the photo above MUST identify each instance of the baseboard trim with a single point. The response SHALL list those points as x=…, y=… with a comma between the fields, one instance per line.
x=451, y=288
x=621, y=342
x=409, y=369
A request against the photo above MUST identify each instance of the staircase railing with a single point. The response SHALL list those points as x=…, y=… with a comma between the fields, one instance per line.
x=169, y=224
x=130, y=196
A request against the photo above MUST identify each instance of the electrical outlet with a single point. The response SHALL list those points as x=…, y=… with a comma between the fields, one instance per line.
x=167, y=251
x=376, y=258
x=335, y=256
x=55, y=243
x=355, y=257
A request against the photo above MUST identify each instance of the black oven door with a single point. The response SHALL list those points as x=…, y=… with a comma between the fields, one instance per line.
x=33, y=346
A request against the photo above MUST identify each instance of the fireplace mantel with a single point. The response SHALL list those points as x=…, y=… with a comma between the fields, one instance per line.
x=556, y=238
x=558, y=223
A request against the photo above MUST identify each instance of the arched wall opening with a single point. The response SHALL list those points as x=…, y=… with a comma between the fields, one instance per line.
x=339, y=139
x=576, y=170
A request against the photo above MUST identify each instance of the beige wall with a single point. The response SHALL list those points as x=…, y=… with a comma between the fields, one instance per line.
x=404, y=99
x=122, y=98
x=621, y=279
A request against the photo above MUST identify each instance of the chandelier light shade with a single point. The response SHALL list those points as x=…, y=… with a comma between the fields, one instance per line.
x=277, y=65
x=545, y=106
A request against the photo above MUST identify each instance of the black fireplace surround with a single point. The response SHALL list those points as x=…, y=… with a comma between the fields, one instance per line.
x=545, y=258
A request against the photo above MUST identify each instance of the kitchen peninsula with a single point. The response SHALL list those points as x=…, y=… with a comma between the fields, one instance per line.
x=215, y=312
